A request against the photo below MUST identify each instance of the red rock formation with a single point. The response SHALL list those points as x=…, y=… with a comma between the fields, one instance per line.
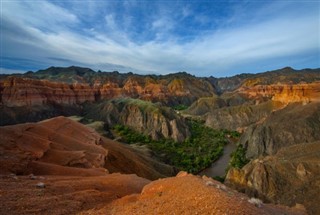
x=52, y=144
x=285, y=93
x=61, y=146
x=17, y=92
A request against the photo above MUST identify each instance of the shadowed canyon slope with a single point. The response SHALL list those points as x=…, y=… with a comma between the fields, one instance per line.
x=291, y=176
x=293, y=124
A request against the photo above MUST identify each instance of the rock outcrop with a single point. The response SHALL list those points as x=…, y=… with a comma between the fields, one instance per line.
x=291, y=176
x=145, y=117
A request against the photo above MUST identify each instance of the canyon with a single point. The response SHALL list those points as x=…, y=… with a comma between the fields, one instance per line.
x=276, y=115
x=67, y=168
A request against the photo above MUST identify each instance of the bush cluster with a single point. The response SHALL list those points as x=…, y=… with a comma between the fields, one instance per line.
x=238, y=157
x=197, y=152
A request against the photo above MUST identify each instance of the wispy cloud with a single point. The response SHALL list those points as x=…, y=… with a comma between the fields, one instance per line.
x=155, y=37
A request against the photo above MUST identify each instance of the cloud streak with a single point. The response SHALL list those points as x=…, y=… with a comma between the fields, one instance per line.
x=155, y=38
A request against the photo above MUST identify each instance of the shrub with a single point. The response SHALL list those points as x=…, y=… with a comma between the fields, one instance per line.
x=238, y=157
x=180, y=107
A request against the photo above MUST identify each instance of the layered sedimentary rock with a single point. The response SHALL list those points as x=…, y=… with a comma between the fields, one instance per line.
x=149, y=118
x=19, y=92
x=284, y=76
x=25, y=90
x=251, y=104
x=291, y=176
x=285, y=93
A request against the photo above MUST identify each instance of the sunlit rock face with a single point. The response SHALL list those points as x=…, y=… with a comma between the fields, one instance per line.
x=26, y=91
x=285, y=93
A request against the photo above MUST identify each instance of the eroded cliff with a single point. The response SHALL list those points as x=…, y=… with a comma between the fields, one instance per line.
x=145, y=117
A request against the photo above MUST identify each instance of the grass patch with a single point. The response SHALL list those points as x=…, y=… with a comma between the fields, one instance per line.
x=180, y=107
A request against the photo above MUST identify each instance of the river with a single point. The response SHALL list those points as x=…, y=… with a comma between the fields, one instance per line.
x=218, y=168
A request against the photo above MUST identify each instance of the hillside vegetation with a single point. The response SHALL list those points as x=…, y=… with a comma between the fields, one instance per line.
x=197, y=152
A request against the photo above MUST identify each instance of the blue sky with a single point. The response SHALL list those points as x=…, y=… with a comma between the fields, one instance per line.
x=204, y=38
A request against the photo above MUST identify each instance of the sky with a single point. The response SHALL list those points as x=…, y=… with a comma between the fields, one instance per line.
x=203, y=38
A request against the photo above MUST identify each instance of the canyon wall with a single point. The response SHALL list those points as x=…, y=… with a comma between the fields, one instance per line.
x=20, y=91
x=285, y=93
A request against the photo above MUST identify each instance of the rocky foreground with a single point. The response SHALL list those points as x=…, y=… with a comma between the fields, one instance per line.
x=127, y=194
x=59, y=166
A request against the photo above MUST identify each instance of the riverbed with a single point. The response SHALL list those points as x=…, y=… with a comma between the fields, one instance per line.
x=219, y=167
